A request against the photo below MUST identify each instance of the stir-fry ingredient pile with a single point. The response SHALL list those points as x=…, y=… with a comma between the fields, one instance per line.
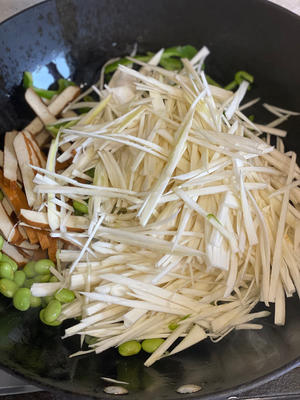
x=172, y=213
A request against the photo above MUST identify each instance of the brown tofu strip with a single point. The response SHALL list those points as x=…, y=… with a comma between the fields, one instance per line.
x=52, y=249
x=43, y=239
x=9, y=231
x=40, y=220
x=12, y=252
x=32, y=235
x=10, y=164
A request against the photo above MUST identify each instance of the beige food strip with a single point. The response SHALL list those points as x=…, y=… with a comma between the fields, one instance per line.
x=54, y=108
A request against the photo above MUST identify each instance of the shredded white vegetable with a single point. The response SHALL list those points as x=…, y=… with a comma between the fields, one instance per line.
x=192, y=218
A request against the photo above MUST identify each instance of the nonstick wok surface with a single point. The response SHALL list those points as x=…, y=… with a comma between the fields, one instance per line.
x=73, y=38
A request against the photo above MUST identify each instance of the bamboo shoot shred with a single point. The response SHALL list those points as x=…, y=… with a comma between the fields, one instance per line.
x=192, y=217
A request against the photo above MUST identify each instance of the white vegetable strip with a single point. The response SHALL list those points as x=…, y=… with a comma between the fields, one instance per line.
x=183, y=210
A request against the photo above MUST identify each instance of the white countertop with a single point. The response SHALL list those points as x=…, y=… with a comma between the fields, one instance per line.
x=11, y=7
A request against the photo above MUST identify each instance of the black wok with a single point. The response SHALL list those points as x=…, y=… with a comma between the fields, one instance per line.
x=74, y=37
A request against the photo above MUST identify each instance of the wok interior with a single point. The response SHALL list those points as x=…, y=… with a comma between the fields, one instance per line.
x=74, y=38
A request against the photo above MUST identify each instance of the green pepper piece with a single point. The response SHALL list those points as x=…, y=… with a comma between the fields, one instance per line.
x=171, y=64
x=187, y=51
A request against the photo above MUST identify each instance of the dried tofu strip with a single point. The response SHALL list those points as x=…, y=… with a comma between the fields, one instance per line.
x=10, y=166
x=54, y=108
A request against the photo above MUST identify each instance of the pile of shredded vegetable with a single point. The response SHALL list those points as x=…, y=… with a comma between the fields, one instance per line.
x=172, y=214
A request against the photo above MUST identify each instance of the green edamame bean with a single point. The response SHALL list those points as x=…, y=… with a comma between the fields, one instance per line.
x=81, y=207
x=1, y=242
x=35, y=301
x=8, y=287
x=129, y=348
x=29, y=269
x=42, y=266
x=47, y=299
x=65, y=295
x=28, y=283
x=6, y=270
x=42, y=278
x=1, y=255
x=13, y=264
x=52, y=311
x=42, y=318
x=21, y=299
x=53, y=279
x=150, y=345
x=20, y=278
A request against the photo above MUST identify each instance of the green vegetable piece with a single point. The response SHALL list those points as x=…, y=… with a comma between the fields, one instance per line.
x=52, y=311
x=6, y=270
x=42, y=278
x=243, y=76
x=209, y=216
x=42, y=318
x=47, y=299
x=171, y=64
x=90, y=172
x=251, y=117
x=7, y=287
x=1, y=256
x=187, y=51
x=21, y=299
x=150, y=345
x=28, y=283
x=1, y=195
x=54, y=129
x=53, y=279
x=124, y=61
x=27, y=80
x=232, y=85
x=10, y=261
x=173, y=325
x=65, y=295
x=29, y=269
x=211, y=81
x=42, y=266
x=35, y=301
x=90, y=340
x=114, y=66
x=63, y=84
x=80, y=207
x=46, y=94
x=129, y=348
x=20, y=278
